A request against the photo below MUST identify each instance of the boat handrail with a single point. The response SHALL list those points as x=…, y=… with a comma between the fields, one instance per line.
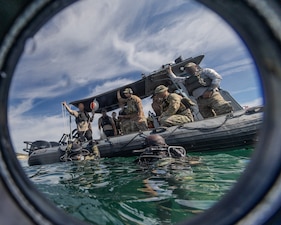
x=178, y=150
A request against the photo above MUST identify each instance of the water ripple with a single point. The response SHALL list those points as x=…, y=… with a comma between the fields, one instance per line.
x=117, y=191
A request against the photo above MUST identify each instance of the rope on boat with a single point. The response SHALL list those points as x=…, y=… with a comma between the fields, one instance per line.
x=204, y=129
x=140, y=134
x=208, y=128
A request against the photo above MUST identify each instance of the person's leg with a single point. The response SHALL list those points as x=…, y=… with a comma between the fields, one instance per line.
x=141, y=125
x=204, y=108
x=174, y=120
x=106, y=132
x=110, y=133
x=81, y=136
x=134, y=126
x=125, y=126
x=219, y=105
x=189, y=114
x=88, y=135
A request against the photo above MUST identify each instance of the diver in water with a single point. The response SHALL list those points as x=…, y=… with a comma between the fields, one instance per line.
x=157, y=148
x=83, y=121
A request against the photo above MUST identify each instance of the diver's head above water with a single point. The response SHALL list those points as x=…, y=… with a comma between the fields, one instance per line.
x=155, y=140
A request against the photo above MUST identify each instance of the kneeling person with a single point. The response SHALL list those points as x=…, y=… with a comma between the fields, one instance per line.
x=174, y=111
x=107, y=124
x=203, y=84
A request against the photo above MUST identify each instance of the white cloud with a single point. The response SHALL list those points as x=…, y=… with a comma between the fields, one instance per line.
x=249, y=89
x=81, y=46
x=18, y=110
x=236, y=66
x=31, y=129
x=51, y=128
x=103, y=40
x=255, y=102
x=109, y=85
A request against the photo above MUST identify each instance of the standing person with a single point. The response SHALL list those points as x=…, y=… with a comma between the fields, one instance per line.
x=175, y=111
x=116, y=122
x=134, y=110
x=203, y=84
x=125, y=123
x=83, y=121
x=107, y=124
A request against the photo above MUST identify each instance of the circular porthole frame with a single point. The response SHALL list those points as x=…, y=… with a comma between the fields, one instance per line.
x=255, y=199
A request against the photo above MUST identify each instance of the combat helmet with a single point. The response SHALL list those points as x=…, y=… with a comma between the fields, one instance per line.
x=160, y=89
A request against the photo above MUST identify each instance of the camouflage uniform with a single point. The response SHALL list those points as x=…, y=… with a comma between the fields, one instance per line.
x=125, y=125
x=156, y=105
x=135, y=120
x=207, y=80
x=135, y=110
x=174, y=112
x=213, y=106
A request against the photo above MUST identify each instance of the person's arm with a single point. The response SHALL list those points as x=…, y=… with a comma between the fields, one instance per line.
x=156, y=108
x=174, y=76
x=121, y=100
x=93, y=116
x=139, y=105
x=99, y=123
x=214, y=76
x=72, y=112
x=114, y=127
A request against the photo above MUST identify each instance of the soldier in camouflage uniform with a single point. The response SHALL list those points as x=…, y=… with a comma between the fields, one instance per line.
x=125, y=123
x=203, y=85
x=175, y=108
x=156, y=105
x=134, y=111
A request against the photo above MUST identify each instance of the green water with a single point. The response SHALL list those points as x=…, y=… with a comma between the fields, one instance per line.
x=117, y=191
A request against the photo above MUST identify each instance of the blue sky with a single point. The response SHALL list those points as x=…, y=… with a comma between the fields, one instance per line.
x=95, y=46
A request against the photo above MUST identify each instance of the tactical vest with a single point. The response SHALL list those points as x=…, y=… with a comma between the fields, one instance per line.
x=184, y=105
x=196, y=81
x=105, y=121
x=132, y=107
x=82, y=116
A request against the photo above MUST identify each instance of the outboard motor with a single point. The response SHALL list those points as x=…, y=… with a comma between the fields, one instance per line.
x=36, y=145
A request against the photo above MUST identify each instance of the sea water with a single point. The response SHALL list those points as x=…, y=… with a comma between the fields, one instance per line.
x=118, y=191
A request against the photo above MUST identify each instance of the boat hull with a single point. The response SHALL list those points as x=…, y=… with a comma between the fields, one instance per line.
x=219, y=133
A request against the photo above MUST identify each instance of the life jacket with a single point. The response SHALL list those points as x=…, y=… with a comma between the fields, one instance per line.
x=196, y=81
x=105, y=121
x=82, y=117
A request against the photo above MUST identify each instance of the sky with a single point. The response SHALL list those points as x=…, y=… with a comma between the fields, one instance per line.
x=95, y=46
